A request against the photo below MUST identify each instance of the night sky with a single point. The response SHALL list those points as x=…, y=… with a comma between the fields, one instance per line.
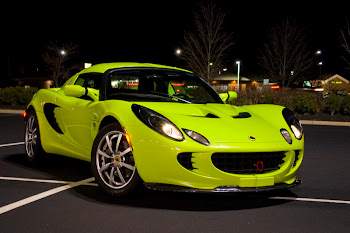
x=151, y=31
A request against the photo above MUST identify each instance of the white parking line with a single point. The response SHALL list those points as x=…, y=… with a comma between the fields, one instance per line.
x=41, y=180
x=39, y=196
x=34, y=180
x=12, y=144
x=311, y=200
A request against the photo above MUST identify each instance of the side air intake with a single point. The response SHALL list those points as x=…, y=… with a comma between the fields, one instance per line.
x=50, y=116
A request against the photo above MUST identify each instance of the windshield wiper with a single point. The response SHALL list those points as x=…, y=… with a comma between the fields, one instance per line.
x=170, y=96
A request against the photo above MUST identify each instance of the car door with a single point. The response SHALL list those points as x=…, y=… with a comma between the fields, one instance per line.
x=77, y=113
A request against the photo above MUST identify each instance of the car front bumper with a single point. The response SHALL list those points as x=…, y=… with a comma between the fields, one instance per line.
x=157, y=161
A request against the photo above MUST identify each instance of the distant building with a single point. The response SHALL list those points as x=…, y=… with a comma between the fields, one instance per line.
x=39, y=82
x=227, y=81
x=336, y=84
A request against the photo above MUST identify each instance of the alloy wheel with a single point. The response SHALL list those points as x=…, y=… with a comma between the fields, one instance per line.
x=114, y=160
x=31, y=136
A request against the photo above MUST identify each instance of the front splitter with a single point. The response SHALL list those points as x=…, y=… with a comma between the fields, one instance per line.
x=221, y=189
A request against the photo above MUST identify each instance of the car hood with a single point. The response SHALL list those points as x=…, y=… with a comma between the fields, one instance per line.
x=225, y=123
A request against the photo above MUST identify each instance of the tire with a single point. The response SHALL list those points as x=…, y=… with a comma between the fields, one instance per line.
x=112, y=162
x=32, y=137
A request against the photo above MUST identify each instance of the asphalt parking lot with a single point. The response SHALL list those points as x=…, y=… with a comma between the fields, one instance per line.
x=58, y=194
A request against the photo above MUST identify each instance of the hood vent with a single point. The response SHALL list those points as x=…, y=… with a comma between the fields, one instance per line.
x=209, y=115
x=243, y=115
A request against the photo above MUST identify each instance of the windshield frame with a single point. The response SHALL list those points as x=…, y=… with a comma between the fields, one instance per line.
x=104, y=95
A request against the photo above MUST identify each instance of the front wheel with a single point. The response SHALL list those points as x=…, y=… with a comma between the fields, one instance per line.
x=32, y=137
x=112, y=162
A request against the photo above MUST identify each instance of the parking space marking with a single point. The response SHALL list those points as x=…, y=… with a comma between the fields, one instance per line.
x=12, y=144
x=311, y=200
x=42, y=180
x=34, y=180
x=42, y=195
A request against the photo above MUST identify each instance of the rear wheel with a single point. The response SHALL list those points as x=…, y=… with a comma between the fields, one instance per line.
x=112, y=162
x=32, y=137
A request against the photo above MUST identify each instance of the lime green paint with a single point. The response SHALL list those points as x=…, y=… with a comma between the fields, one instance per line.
x=78, y=91
x=229, y=96
x=74, y=91
x=156, y=155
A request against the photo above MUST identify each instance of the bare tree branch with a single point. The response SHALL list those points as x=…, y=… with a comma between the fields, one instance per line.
x=204, y=49
x=284, y=52
x=345, y=40
x=56, y=58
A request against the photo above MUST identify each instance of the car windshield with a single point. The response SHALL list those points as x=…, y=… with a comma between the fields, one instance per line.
x=160, y=86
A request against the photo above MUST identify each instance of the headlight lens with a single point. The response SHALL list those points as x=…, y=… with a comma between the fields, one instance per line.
x=286, y=135
x=197, y=137
x=297, y=131
x=293, y=123
x=157, y=122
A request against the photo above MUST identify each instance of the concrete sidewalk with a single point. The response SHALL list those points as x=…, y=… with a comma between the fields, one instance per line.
x=331, y=123
x=304, y=122
x=11, y=111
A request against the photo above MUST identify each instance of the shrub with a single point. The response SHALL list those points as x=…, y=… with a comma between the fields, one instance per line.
x=268, y=98
x=333, y=103
x=285, y=98
x=305, y=103
x=16, y=95
x=345, y=106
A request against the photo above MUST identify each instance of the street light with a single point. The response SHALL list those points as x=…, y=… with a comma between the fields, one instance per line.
x=63, y=52
x=178, y=52
x=320, y=64
x=239, y=66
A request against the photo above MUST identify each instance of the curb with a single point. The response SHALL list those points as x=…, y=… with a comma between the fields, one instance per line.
x=304, y=122
x=12, y=111
x=330, y=123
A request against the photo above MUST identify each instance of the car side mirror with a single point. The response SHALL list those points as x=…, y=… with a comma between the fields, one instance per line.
x=79, y=91
x=228, y=97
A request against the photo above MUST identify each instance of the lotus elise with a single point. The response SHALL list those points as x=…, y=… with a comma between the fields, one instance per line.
x=166, y=128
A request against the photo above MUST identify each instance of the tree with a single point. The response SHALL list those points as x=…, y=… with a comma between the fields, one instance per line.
x=204, y=48
x=57, y=58
x=285, y=56
x=345, y=41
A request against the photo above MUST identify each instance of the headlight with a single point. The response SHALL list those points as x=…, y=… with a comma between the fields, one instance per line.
x=157, y=122
x=197, y=137
x=293, y=123
x=286, y=135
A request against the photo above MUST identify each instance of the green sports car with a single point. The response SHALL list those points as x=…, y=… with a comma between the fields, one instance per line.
x=164, y=127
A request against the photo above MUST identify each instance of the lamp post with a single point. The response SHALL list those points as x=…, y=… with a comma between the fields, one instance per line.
x=320, y=63
x=238, y=70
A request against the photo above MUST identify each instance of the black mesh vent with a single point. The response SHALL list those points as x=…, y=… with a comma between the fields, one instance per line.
x=185, y=159
x=248, y=163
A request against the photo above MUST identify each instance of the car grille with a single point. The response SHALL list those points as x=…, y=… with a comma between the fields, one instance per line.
x=248, y=163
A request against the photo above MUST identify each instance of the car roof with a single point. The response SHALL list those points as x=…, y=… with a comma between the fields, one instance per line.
x=103, y=67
